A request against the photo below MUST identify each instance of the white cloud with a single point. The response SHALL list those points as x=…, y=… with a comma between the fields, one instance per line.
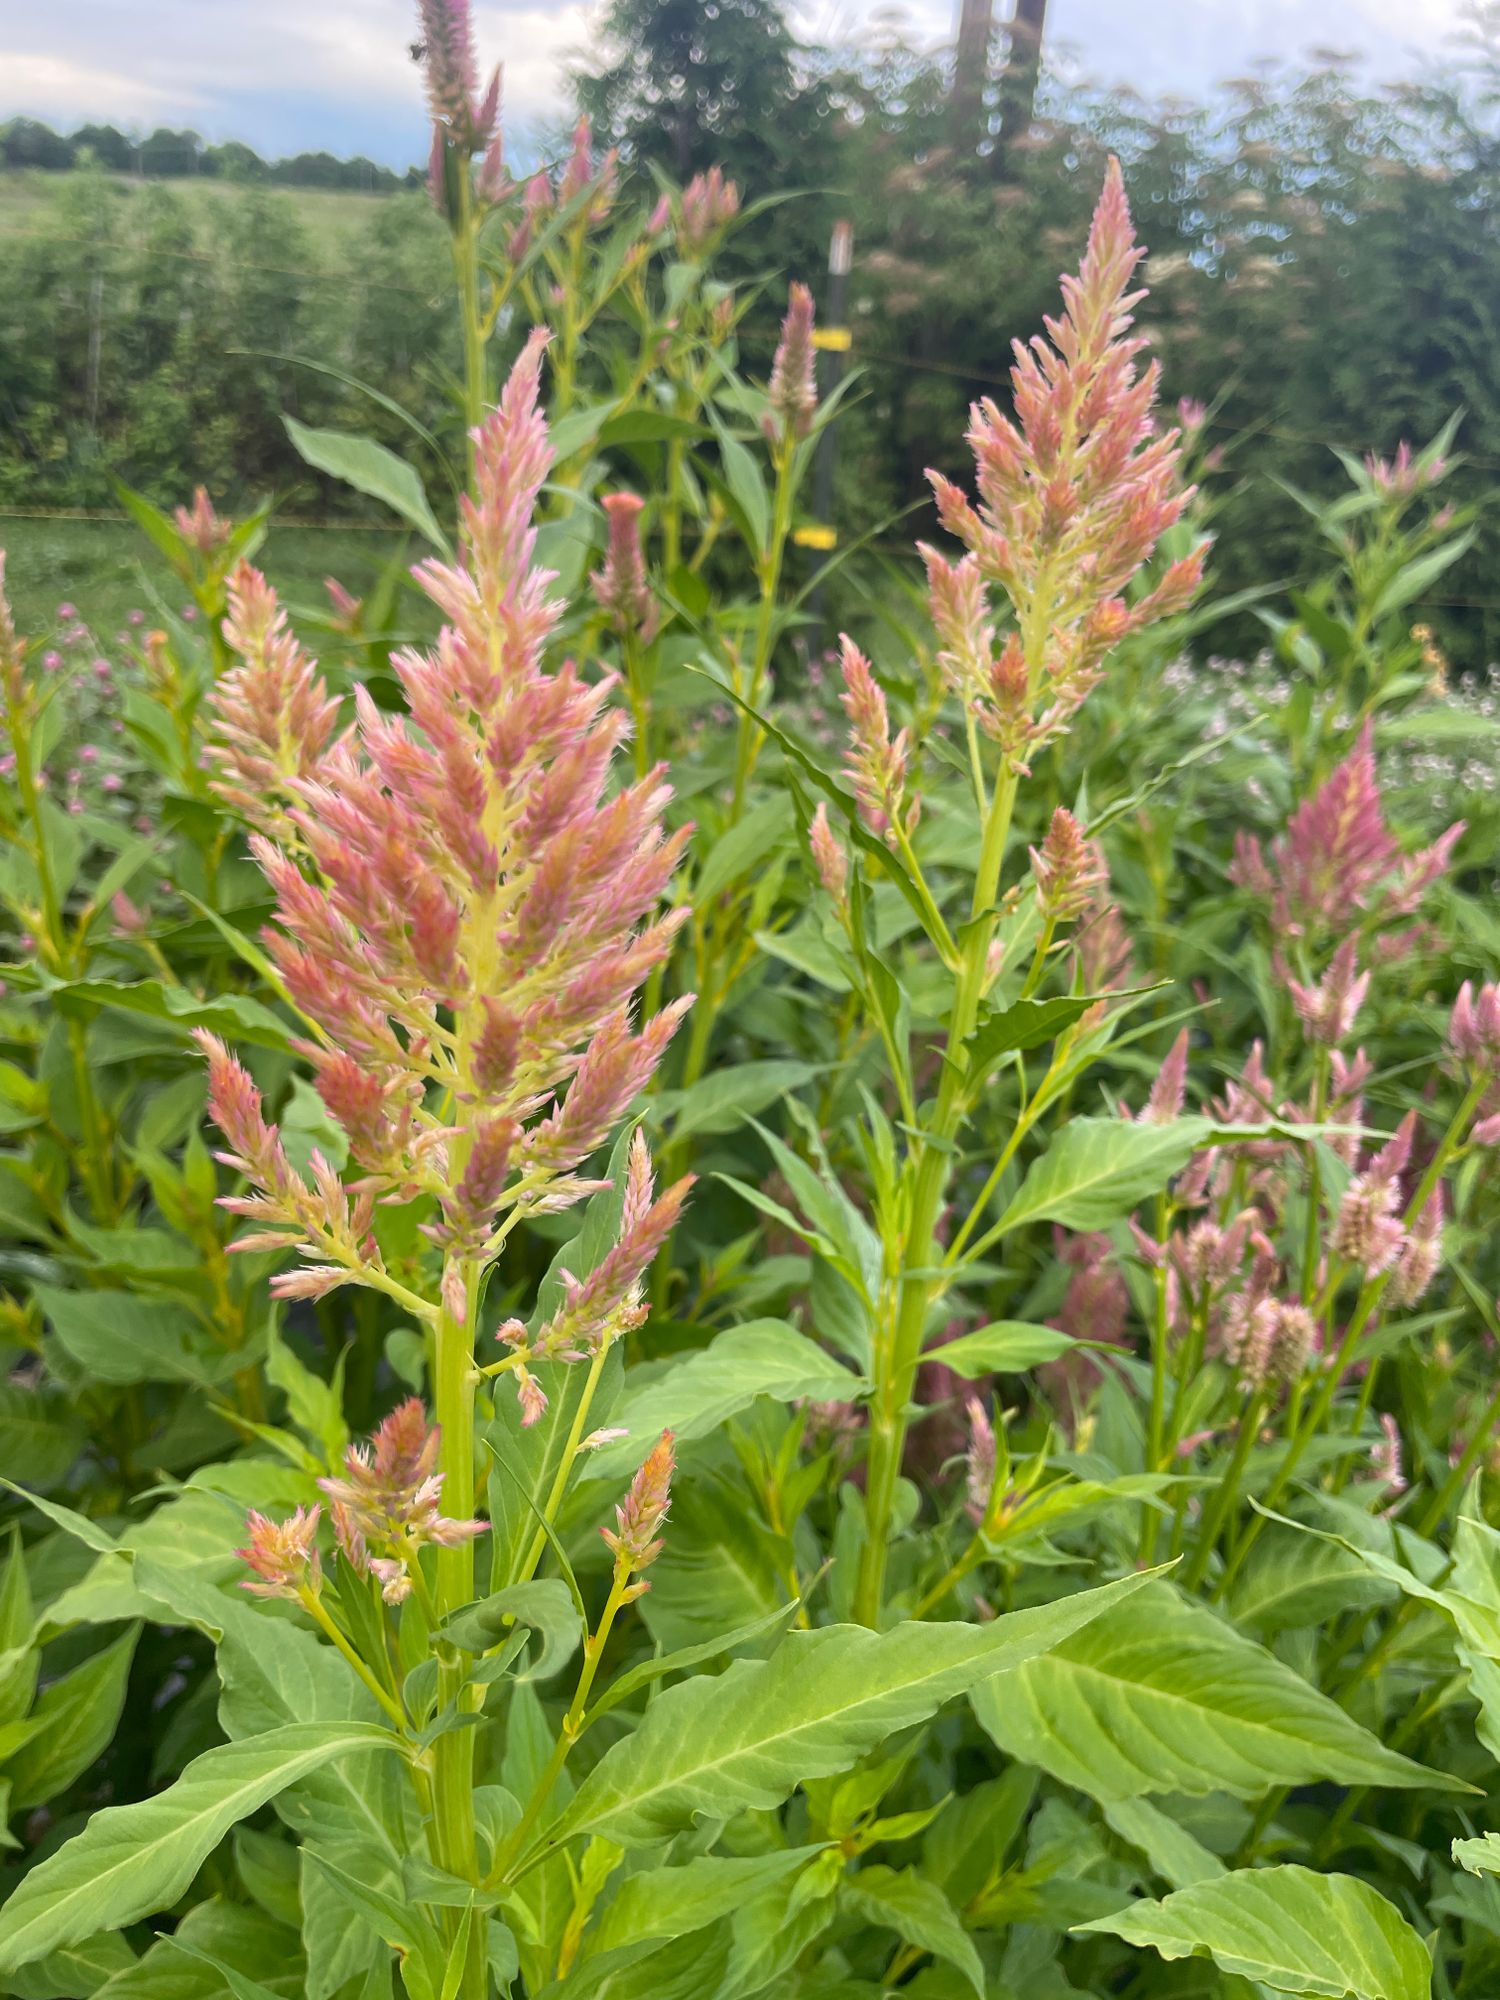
x=291, y=73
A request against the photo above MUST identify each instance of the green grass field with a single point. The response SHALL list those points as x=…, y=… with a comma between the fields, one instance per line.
x=29, y=200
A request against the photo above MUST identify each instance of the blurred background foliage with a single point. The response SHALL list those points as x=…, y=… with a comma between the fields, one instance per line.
x=1325, y=272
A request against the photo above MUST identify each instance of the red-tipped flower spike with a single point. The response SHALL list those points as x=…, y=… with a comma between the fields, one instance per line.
x=1068, y=868
x=876, y=765
x=708, y=204
x=283, y=1554
x=635, y=1537
x=467, y=904
x=793, y=389
x=272, y=716
x=200, y=525
x=387, y=1499
x=1075, y=491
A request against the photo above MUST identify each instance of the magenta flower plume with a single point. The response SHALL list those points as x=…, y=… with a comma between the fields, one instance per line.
x=793, y=388
x=466, y=906
x=1078, y=486
x=452, y=73
x=1327, y=1009
x=283, y=1554
x=1165, y=1101
x=1338, y=856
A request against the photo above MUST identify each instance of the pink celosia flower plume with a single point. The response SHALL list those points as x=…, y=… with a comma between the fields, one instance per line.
x=793, y=388
x=1074, y=495
x=1338, y=857
x=707, y=204
x=459, y=116
x=621, y=586
x=465, y=909
x=387, y=1501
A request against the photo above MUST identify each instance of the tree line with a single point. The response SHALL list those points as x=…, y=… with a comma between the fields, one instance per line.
x=185, y=155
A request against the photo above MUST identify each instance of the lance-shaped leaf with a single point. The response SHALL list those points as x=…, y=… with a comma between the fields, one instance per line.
x=1098, y=1169
x=918, y=1912
x=1288, y=1928
x=670, y=1902
x=709, y=1747
x=1162, y=1696
x=132, y=1860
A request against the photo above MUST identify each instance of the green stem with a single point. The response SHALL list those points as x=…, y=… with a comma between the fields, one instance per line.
x=898, y=1348
x=565, y=1466
x=768, y=574
x=1226, y=1494
x=1150, y=1522
x=315, y=1608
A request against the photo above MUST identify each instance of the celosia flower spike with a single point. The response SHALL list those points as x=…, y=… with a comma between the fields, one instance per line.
x=283, y=1555
x=1068, y=869
x=980, y=1460
x=708, y=204
x=621, y=587
x=1078, y=486
x=385, y=1506
x=635, y=1537
x=793, y=389
x=200, y=526
x=466, y=903
x=1327, y=1010
x=829, y=858
x=876, y=765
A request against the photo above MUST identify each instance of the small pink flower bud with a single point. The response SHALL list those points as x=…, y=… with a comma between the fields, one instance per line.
x=1068, y=869
x=980, y=1460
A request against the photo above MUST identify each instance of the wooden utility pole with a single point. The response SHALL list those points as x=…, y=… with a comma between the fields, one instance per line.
x=1023, y=68
x=971, y=72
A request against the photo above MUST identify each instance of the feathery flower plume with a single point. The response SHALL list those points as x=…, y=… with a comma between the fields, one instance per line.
x=1327, y=1009
x=200, y=526
x=876, y=765
x=981, y=1457
x=1165, y=1100
x=706, y=205
x=387, y=1500
x=1386, y=1464
x=459, y=117
x=1421, y=1253
x=636, y=1535
x=1338, y=856
x=1367, y=1229
x=828, y=854
x=1068, y=868
x=272, y=716
x=793, y=388
x=1074, y=494
x=620, y=586
x=466, y=909
x=283, y=1554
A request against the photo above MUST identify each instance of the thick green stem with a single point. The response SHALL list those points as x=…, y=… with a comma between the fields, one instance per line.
x=1226, y=1494
x=898, y=1349
x=768, y=574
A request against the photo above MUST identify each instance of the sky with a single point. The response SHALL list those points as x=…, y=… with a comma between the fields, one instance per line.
x=294, y=75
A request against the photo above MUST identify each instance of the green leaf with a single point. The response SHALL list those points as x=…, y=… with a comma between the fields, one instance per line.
x=1165, y=1842
x=1420, y=574
x=707, y=1748
x=240, y=1984
x=545, y=1604
x=721, y=1100
x=742, y=475
x=670, y=1902
x=694, y=1396
x=1098, y=1169
x=747, y=845
x=1288, y=1928
x=1005, y=1347
x=918, y=1912
x=121, y=1338
x=657, y=1668
x=78, y=1714
x=132, y=1860
x=1026, y=1024
x=315, y=1406
x=40, y=1436
x=1295, y=1579
x=79, y=1526
x=1162, y=1696
x=233, y=1015
x=370, y=468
